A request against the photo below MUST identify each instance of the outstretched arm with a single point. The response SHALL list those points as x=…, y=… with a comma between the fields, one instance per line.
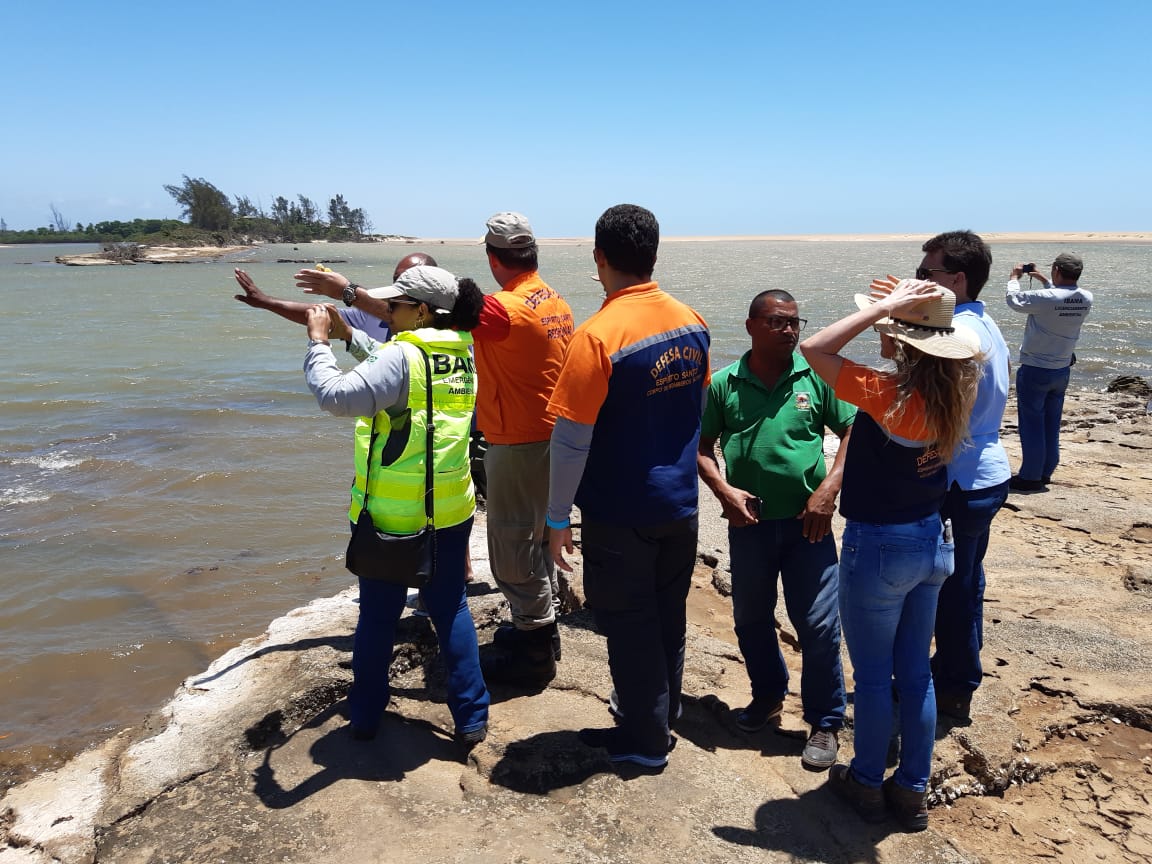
x=291, y=309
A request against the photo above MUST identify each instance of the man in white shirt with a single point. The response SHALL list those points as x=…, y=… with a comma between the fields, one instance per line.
x=1056, y=312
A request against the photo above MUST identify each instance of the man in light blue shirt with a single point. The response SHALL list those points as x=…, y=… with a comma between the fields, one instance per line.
x=1055, y=313
x=977, y=476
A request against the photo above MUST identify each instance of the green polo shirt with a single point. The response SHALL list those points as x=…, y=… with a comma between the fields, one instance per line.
x=773, y=440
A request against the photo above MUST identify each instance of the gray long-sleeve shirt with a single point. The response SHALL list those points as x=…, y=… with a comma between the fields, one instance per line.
x=1055, y=316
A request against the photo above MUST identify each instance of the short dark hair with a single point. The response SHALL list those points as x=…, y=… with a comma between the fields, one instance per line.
x=523, y=259
x=775, y=293
x=629, y=235
x=964, y=252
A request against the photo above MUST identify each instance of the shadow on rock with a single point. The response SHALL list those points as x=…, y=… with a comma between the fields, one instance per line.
x=400, y=746
x=816, y=826
x=710, y=724
x=337, y=643
x=546, y=762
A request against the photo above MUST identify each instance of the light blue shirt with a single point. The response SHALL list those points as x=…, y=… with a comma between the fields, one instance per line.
x=982, y=462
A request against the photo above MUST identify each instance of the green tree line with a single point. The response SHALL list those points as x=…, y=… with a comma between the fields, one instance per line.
x=212, y=218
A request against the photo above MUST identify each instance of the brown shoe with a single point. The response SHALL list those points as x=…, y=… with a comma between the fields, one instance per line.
x=908, y=806
x=866, y=801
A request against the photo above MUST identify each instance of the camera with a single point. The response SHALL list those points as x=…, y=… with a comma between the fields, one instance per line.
x=1028, y=268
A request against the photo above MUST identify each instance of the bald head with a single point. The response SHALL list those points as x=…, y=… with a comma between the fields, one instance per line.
x=416, y=259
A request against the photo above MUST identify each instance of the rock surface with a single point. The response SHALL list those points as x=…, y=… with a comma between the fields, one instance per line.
x=251, y=760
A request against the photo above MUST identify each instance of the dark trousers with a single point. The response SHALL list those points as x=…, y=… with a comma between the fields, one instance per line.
x=956, y=667
x=636, y=582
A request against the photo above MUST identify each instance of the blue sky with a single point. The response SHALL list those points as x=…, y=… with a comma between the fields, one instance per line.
x=723, y=118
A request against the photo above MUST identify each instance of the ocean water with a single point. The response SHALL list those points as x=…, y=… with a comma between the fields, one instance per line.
x=168, y=485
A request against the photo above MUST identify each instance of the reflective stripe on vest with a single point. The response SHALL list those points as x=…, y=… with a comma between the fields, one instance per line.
x=396, y=499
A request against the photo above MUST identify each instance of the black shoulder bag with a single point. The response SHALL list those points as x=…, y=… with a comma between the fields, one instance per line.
x=405, y=559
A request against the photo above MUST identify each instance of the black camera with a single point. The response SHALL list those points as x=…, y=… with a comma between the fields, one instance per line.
x=1028, y=268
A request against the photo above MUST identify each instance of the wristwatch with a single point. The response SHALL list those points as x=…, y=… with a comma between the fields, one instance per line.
x=350, y=293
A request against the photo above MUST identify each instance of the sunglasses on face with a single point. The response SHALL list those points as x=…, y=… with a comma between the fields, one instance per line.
x=392, y=304
x=779, y=322
x=926, y=272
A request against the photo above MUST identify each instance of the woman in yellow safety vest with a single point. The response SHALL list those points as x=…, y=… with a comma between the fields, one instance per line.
x=431, y=311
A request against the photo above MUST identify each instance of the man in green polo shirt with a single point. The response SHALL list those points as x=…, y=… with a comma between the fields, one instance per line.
x=769, y=411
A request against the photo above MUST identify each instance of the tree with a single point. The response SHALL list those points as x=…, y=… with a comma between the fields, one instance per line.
x=359, y=222
x=309, y=212
x=280, y=210
x=338, y=212
x=59, y=223
x=245, y=207
x=205, y=206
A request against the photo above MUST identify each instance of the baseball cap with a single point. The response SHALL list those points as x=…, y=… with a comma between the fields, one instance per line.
x=509, y=231
x=432, y=285
x=1069, y=264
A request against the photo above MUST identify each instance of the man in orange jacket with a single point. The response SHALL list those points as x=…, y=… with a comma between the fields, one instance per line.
x=524, y=330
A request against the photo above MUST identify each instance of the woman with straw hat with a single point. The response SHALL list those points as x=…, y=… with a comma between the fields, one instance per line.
x=895, y=553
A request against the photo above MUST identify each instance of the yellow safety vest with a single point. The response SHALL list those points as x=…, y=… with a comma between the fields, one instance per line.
x=396, y=498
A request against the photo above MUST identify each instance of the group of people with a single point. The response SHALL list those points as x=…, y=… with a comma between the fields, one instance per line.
x=620, y=416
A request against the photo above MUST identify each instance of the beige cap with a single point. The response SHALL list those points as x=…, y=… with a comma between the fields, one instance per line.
x=432, y=285
x=509, y=231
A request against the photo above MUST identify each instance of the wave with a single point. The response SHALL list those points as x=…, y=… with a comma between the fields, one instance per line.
x=51, y=461
x=22, y=495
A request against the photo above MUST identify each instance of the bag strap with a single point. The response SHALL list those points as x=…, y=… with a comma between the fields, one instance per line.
x=429, y=494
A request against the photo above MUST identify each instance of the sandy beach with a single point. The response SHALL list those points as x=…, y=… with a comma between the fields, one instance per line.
x=1070, y=237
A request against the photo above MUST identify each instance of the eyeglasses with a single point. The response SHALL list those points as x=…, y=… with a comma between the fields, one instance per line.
x=926, y=272
x=392, y=304
x=778, y=322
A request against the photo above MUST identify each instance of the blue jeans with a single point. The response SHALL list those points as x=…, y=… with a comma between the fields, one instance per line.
x=760, y=553
x=890, y=577
x=1039, y=407
x=956, y=666
x=446, y=601
x=636, y=580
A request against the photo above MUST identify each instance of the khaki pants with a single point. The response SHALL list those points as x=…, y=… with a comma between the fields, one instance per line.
x=517, y=537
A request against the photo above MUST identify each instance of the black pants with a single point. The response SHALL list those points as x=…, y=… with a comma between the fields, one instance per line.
x=636, y=582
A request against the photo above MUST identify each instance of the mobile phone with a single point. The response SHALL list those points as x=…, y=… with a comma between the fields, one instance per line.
x=1028, y=268
x=755, y=506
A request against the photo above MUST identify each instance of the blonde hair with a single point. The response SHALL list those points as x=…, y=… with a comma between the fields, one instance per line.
x=948, y=388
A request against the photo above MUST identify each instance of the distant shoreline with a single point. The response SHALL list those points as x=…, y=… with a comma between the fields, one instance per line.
x=1078, y=238
x=1070, y=237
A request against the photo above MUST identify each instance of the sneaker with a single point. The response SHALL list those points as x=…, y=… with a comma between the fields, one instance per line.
x=758, y=714
x=620, y=751
x=866, y=801
x=908, y=806
x=1019, y=484
x=618, y=715
x=472, y=737
x=820, y=751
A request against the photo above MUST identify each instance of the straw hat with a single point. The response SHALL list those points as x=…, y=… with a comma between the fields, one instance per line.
x=929, y=327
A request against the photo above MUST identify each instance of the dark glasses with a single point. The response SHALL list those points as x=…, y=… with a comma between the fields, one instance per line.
x=926, y=272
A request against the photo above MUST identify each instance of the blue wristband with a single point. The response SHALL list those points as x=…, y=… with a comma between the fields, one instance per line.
x=567, y=523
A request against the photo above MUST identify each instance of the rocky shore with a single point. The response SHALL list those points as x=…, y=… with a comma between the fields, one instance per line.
x=152, y=255
x=251, y=762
